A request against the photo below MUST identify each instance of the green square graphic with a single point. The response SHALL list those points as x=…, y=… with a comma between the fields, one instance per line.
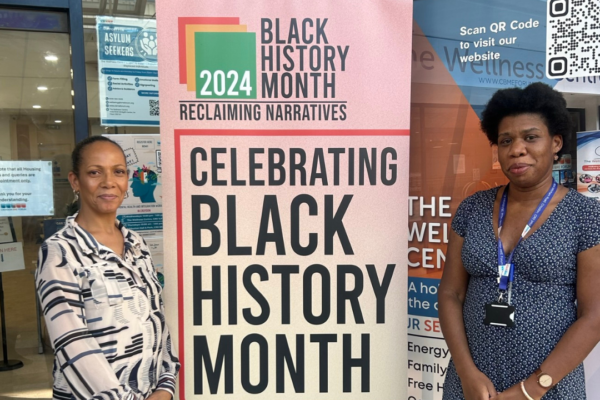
x=225, y=65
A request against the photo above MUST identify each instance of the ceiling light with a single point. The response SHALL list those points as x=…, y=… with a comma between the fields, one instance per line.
x=51, y=57
x=36, y=106
x=58, y=121
x=42, y=88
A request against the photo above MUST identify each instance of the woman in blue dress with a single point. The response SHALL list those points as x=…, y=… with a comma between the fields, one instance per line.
x=518, y=301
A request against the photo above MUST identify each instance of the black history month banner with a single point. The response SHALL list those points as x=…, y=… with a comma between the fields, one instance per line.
x=285, y=144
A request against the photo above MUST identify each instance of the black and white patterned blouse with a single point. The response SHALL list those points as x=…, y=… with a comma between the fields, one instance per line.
x=544, y=291
x=105, y=317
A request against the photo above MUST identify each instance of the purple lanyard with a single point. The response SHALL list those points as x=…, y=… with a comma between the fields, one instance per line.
x=505, y=267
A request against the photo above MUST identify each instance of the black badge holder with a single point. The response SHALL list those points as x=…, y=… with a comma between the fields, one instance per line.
x=499, y=314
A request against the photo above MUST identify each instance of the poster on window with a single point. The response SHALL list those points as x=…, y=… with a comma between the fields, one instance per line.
x=6, y=231
x=127, y=71
x=285, y=148
x=142, y=208
x=11, y=257
x=26, y=188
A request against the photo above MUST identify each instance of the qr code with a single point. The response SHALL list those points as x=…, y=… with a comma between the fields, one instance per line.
x=573, y=38
x=154, y=108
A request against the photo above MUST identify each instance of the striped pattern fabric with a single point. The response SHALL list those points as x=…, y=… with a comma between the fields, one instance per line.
x=105, y=317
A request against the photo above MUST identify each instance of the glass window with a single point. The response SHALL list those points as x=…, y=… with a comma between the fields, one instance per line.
x=36, y=123
x=131, y=9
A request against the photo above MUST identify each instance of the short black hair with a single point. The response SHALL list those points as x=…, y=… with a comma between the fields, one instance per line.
x=76, y=156
x=537, y=98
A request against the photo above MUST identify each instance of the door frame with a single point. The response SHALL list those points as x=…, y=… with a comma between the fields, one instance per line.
x=74, y=10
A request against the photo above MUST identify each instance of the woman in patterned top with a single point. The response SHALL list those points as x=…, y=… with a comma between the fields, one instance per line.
x=100, y=295
x=519, y=325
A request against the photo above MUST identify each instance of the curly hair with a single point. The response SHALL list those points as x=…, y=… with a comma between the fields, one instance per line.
x=537, y=98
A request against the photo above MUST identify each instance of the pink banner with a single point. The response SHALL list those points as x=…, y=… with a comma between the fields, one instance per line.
x=285, y=170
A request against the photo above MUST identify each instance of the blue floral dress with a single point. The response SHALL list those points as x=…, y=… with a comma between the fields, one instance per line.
x=543, y=291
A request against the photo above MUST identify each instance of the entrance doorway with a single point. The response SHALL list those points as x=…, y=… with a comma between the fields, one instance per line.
x=36, y=124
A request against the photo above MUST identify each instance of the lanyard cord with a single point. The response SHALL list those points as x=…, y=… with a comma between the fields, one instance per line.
x=506, y=267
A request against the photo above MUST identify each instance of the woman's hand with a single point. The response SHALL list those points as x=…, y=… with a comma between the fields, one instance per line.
x=160, y=395
x=477, y=386
x=512, y=393
x=516, y=393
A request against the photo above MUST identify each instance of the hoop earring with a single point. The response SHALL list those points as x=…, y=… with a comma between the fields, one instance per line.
x=126, y=195
x=76, y=194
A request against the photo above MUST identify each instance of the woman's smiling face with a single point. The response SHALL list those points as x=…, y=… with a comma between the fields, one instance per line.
x=525, y=149
x=102, y=182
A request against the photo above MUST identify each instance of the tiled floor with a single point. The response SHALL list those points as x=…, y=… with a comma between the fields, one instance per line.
x=34, y=379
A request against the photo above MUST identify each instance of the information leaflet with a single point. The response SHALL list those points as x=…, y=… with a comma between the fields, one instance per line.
x=6, y=235
x=11, y=257
x=26, y=188
x=127, y=71
x=141, y=210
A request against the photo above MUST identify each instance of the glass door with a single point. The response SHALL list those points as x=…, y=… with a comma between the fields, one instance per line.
x=36, y=123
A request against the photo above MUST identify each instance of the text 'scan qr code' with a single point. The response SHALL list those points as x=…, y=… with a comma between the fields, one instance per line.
x=573, y=38
x=154, y=108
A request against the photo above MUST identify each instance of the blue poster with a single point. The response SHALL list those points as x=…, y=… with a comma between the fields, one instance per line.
x=127, y=71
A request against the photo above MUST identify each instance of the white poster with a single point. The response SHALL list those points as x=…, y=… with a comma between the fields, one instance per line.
x=26, y=188
x=592, y=373
x=141, y=211
x=155, y=244
x=6, y=235
x=588, y=184
x=588, y=163
x=11, y=257
x=127, y=71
